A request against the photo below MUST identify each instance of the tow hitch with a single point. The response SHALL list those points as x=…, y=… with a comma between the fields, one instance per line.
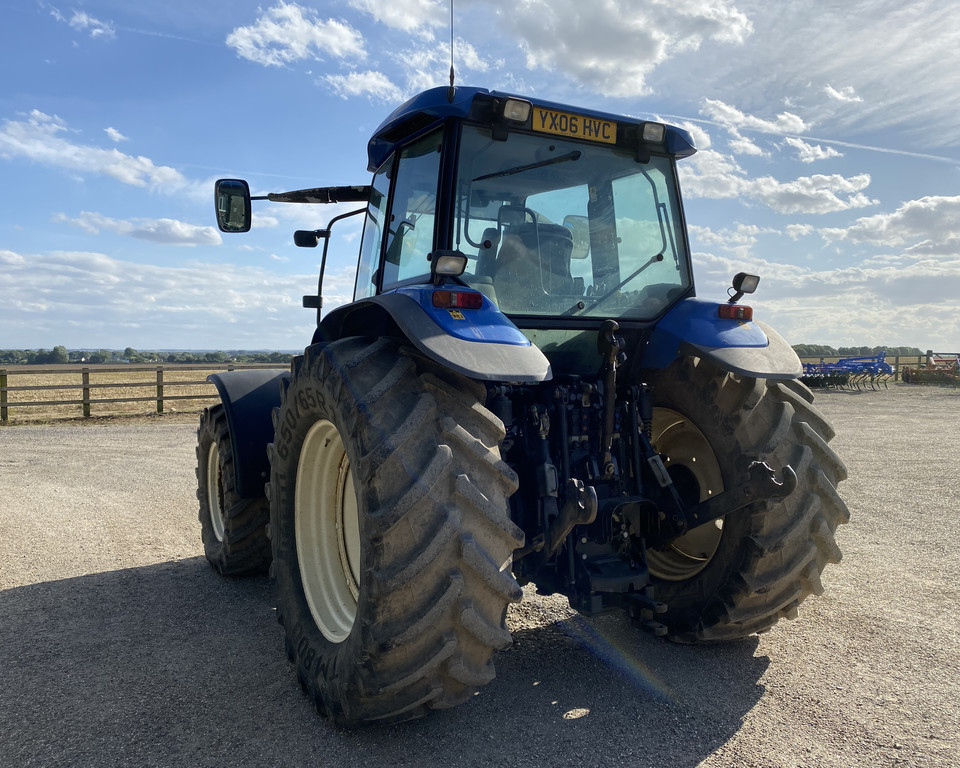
x=762, y=484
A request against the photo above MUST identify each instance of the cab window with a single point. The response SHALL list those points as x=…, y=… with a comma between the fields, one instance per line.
x=373, y=234
x=410, y=222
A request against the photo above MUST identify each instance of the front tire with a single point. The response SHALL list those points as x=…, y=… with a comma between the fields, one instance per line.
x=232, y=528
x=732, y=578
x=391, y=533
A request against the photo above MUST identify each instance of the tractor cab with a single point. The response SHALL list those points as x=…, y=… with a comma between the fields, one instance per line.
x=560, y=218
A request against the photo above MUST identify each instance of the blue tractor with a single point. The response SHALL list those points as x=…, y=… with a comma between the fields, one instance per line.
x=525, y=388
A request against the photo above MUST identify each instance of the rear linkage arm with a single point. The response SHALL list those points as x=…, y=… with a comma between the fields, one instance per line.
x=761, y=484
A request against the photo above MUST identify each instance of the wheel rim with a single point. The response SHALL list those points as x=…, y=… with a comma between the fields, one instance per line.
x=693, y=465
x=215, y=491
x=327, y=527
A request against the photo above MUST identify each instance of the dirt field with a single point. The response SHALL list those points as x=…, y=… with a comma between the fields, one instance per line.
x=120, y=646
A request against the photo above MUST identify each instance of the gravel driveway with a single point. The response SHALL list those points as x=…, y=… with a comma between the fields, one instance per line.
x=120, y=646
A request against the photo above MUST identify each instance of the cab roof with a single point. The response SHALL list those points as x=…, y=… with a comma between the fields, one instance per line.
x=433, y=106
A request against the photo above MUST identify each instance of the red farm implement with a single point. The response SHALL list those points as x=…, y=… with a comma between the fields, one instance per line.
x=940, y=368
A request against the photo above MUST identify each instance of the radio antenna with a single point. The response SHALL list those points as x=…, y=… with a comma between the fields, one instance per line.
x=450, y=90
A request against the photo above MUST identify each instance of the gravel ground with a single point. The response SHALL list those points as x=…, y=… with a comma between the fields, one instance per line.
x=120, y=646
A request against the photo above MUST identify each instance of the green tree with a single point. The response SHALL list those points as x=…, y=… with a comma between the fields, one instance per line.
x=814, y=350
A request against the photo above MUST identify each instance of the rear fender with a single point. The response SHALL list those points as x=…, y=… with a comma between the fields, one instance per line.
x=751, y=348
x=479, y=343
x=249, y=398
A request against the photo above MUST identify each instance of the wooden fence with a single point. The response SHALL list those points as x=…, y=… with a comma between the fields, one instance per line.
x=92, y=379
x=68, y=386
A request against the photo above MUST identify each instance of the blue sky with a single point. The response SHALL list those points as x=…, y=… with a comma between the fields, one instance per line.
x=828, y=132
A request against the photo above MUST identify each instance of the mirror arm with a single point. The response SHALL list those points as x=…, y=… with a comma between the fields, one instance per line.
x=323, y=259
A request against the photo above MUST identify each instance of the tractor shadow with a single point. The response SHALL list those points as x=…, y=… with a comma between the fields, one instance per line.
x=599, y=691
x=171, y=664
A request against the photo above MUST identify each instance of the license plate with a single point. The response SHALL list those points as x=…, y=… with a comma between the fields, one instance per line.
x=574, y=126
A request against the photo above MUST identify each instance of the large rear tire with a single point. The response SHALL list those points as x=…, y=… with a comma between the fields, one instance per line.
x=391, y=533
x=732, y=578
x=232, y=528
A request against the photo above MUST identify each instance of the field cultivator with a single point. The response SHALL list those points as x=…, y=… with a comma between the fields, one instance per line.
x=849, y=372
x=939, y=369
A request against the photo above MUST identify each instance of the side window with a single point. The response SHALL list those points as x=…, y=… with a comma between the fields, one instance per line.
x=373, y=234
x=410, y=224
x=644, y=219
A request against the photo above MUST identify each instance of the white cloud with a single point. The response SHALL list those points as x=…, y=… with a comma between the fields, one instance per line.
x=868, y=303
x=289, y=32
x=84, y=299
x=796, y=231
x=263, y=220
x=84, y=22
x=612, y=46
x=738, y=241
x=376, y=85
x=701, y=138
x=713, y=175
x=929, y=225
x=848, y=94
x=857, y=67
x=734, y=119
x=406, y=15
x=741, y=145
x=426, y=66
x=115, y=135
x=809, y=153
x=163, y=231
x=878, y=303
x=38, y=138
x=416, y=69
x=949, y=246
x=811, y=194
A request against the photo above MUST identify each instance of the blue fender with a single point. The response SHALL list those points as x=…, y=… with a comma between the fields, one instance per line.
x=749, y=348
x=249, y=398
x=479, y=343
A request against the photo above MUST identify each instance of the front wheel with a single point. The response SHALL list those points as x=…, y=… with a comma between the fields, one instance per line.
x=232, y=528
x=739, y=575
x=391, y=533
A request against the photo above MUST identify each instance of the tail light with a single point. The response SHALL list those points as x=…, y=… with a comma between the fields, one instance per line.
x=457, y=299
x=735, y=312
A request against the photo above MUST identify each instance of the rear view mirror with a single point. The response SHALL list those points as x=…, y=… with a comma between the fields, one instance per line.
x=232, y=197
x=579, y=227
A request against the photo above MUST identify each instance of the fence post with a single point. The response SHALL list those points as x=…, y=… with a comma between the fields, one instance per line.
x=3, y=394
x=85, y=383
x=160, y=389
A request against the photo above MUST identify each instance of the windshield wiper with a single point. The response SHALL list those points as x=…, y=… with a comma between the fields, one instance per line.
x=575, y=155
x=576, y=308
